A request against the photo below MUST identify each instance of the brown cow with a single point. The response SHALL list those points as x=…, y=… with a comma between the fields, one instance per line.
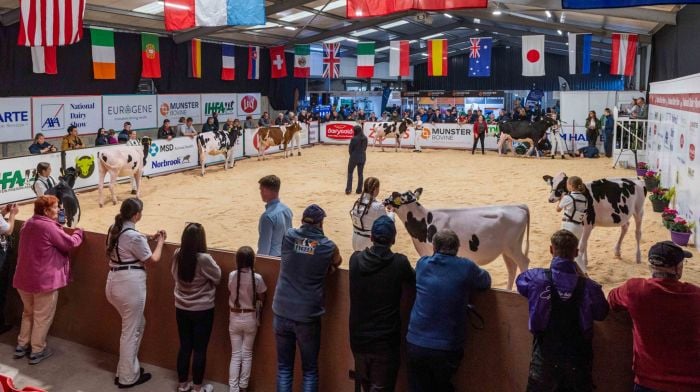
x=279, y=136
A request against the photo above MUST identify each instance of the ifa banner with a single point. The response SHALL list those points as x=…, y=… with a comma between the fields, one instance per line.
x=174, y=106
x=140, y=110
x=224, y=105
x=53, y=115
x=15, y=119
x=166, y=156
x=248, y=105
x=17, y=176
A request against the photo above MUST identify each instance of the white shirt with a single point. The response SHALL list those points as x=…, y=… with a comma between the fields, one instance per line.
x=245, y=295
x=42, y=184
x=132, y=246
x=4, y=226
x=187, y=131
x=574, y=211
x=374, y=209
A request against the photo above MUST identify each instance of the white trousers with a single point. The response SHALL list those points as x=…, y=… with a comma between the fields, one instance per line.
x=242, y=327
x=417, y=136
x=359, y=243
x=126, y=291
x=574, y=228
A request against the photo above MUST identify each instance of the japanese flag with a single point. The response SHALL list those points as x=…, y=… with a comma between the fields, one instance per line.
x=533, y=55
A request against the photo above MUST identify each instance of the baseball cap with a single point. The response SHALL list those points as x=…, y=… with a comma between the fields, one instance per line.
x=667, y=254
x=313, y=214
x=383, y=230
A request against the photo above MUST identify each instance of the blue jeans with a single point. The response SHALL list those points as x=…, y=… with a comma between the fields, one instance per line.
x=289, y=333
x=640, y=388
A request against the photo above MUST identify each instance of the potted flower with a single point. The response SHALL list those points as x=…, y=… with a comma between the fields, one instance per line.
x=681, y=231
x=661, y=197
x=668, y=216
x=642, y=168
x=651, y=179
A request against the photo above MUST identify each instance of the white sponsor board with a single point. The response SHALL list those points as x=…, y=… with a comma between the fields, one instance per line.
x=15, y=119
x=140, y=110
x=313, y=132
x=174, y=106
x=170, y=155
x=17, y=176
x=53, y=115
x=225, y=105
x=248, y=104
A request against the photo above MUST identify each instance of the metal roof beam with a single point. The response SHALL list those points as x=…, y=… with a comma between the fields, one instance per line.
x=634, y=13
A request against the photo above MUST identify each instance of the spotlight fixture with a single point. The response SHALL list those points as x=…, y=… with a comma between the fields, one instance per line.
x=497, y=11
x=549, y=14
x=559, y=32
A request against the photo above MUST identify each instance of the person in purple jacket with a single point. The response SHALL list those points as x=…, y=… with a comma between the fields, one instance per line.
x=563, y=303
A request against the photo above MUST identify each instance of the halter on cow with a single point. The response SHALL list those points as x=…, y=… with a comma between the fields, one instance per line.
x=524, y=131
x=122, y=160
x=279, y=136
x=386, y=130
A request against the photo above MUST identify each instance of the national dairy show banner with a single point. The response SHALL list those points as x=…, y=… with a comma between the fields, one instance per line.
x=673, y=137
x=53, y=115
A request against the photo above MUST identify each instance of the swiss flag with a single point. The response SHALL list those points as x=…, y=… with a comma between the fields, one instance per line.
x=533, y=55
x=278, y=64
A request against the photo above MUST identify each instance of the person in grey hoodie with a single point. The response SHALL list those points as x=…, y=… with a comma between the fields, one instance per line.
x=377, y=277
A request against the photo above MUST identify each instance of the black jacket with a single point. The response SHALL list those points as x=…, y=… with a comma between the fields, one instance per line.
x=206, y=127
x=377, y=277
x=358, y=148
x=164, y=133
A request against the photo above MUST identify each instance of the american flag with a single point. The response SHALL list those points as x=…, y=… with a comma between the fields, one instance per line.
x=331, y=60
x=50, y=22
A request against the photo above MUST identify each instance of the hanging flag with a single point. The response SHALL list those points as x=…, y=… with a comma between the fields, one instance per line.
x=624, y=54
x=589, y=4
x=228, y=62
x=278, y=62
x=50, y=22
x=194, y=59
x=302, y=61
x=331, y=60
x=398, y=58
x=365, y=59
x=580, y=53
x=253, y=62
x=185, y=14
x=150, y=56
x=533, y=55
x=44, y=60
x=365, y=8
x=103, y=63
x=480, y=57
x=437, y=57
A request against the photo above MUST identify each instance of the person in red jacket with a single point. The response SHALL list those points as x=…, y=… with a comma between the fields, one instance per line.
x=480, y=129
x=666, y=323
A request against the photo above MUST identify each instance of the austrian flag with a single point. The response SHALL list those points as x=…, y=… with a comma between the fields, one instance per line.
x=624, y=53
x=365, y=59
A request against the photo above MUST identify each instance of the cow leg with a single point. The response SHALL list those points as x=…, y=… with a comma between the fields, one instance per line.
x=297, y=136
x=623, y=232
x=100, y=185
x=638, y=232
x=113, y=185
x=137, y=179
x=397, y=145
x=202, y=160
x=512, y=268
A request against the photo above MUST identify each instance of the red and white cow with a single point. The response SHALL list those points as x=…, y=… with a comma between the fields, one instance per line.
x=484, y=232
x=217, y=143
x=396, y=130
x=614, y=202
x=122, y=161
x=283, y=136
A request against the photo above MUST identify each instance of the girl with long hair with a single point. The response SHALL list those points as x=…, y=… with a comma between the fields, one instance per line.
x=42, y=179
x=364, y=212
x=575, y=205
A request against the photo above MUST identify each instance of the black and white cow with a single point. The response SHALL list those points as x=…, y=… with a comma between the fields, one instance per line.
x=612, y=203
x=392, y=129
x=524, y=131
x=217, y=143
x=484, y=232
x=66, y=196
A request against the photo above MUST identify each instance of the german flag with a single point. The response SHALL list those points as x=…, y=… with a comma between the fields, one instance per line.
x=194, y=59
x=437, y=57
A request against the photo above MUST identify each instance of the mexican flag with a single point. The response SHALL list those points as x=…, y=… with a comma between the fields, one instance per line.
x=302, y=61
x=103, y=63
x=150, y=56
x=365, y=59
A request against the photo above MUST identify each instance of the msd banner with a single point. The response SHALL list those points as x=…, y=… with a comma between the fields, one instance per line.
x=53, y=115
x=337, y=132
x=174, y=106
x=139, y=110
x=15, y=119
x=223, y=104
x=248, y=105
x=171, y=155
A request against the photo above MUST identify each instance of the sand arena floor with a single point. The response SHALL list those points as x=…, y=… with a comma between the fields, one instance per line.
x=228, y=203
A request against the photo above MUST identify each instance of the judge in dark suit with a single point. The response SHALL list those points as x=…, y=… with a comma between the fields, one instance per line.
x=358, y=156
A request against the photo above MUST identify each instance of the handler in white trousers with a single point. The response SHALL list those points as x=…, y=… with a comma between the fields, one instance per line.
x=417, y=136
x=574, y=206
x=364, y=212
x=128, y=252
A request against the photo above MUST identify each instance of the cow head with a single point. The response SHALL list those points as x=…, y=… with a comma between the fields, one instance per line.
x=146, y=142
x=68, y=175
x=557, y=186
x=397, y=199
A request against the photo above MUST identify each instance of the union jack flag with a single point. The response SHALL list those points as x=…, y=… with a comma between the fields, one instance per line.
x=331, y=60
x=475, y=48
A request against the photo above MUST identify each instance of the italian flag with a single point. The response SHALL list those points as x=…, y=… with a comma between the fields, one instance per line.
x=365, y=59
x=150, y=56
x=103, y=63
x=302, y=61
x=398, y=58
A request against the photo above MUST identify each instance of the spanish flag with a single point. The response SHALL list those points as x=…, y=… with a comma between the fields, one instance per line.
x=437, y=57
x=194, y=59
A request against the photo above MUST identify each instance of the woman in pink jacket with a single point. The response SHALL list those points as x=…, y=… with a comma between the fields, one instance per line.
x=42, y=268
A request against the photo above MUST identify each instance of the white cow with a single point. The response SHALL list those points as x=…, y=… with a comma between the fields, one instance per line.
x=122, y=161
x=393, y=129
x=217, y=143
x=484, y=232
x=614, y=202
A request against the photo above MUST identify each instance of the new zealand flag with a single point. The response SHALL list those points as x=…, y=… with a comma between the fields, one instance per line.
x=480, y=57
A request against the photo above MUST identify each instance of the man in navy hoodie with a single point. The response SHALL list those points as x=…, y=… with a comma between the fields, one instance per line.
x=563, y=303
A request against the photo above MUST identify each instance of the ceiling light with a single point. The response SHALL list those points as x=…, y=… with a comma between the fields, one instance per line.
x=332, y=5
x=562, y=17
x=448, y=16
x=424, y=54
x=476, y=29
x=497, y=12
x=292, y=28
x=394, y=24
x=334, y=40
x=477, y=20
x=559, y=32
x=413, y=41
x=267, y=25
x=153, y=8
x=352, y=40
x=363, y=32
x=383, y=49
x=432, y=36
x=549, y=14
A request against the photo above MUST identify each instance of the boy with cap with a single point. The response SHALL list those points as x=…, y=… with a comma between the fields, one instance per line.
x=377, y=276
x=308, y=256
x=666, y=323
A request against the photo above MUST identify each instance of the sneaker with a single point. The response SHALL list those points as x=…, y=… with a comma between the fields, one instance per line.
x=142, y=379
x=204, y=388
x=186, y=388
x=21, y=352
x=35, y=358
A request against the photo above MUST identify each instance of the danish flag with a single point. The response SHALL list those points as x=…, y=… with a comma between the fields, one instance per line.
x=331, y=60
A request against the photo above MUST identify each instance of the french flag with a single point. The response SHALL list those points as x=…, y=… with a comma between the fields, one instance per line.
x=253, y=62
x=228, y=62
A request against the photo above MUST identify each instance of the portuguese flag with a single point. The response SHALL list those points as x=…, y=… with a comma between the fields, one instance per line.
x=150, y=56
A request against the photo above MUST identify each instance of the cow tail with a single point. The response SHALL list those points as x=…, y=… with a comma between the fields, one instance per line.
x=527, y=242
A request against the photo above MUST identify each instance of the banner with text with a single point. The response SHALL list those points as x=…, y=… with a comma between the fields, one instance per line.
x=15, y=119
x=313, y=132
x=53, y=115
x=139, y=110
x=174, y=106
x=225, y=105
x=17, y=176
x=171, y=155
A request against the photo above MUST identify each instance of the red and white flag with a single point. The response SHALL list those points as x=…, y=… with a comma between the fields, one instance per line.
x=398, y=58
x=624, y=54
x=366, y=8
x=331, y=60
x=278, y=63
x=533, y=55
x=50, y=22
x=44, y=60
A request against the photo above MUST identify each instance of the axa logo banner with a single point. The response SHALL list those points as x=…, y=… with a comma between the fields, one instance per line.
x=248, y=105
x=225, y=105
x=53, y=115
x=15, y=119
x=140, y=110
x=174, y=106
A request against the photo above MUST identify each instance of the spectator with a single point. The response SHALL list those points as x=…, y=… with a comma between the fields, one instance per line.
x=112, y=139
x=326, y=118
x=249, y=123
x=432, y=117
x=633, y=110
x=212, y=124
x=592, y=128
x=358, y=157
x=276, y=219
x=474, y=117
x=372, y=117
x=335, y=116
x=196, y=276
x=102, y=139
x=43, y=267
x=436, y=330
x=165, y=131
x=574, y=203
x=133, y=139
x=247, y=290
x=417, y=134
x=665, y=315
x=364, y=212
x=463, y=119
x=233, y=126
x=42, y=179
x=41, y=146
x=360, y=116
x=502, y=116
x=492, y=118
x=607, y=122
x=307, y=257
x=377, y=277
x=180, y=127
x=395, y=116
x=643, y=112
x=279, y=120
x=385, y=117
x=71, y=141
x=264, y=121
x=123, y=136
x=480, y=130
x=7, y=227
x=563, y=303
x=187, y=129
x=126, y=286
x=452, y=116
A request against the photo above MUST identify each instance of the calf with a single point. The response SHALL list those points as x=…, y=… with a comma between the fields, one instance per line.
x=279, y=136
x=66, y=196
x=525, y=131
x=217, y=143
x=611, y=203
x=484, y=232
x=122, y=160
x=394, y=129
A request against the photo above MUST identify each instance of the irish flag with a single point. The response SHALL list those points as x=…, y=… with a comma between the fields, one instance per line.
x=150, y=56
x=103, y=63
x=398, y=58
x=365, y=59
x=437, y=57
x=302, y=61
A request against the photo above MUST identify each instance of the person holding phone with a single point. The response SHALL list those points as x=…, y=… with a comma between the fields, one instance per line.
x=41, y=146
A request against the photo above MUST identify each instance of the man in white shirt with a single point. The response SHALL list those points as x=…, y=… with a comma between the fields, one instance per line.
x=187, y=129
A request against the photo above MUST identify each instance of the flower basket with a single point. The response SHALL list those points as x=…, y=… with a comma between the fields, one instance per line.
x=641, y=172
x=659, y=205
x=642, y=168
x=650, y=183
x=668, y=216
x=680, y=238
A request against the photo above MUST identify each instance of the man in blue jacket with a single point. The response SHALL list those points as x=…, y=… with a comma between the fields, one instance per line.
x=563, y=303
x=436, y=331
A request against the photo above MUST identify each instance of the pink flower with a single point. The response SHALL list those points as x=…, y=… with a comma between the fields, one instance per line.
x=680, y=220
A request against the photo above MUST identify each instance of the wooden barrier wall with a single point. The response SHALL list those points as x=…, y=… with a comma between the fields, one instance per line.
x=496, y=358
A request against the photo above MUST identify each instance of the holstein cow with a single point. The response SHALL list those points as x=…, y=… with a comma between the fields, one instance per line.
x=66, y=196
x=611, y=203
x=217, y=143
x=119, y=161
x=395, y=129
x=524, y=131
x=279, y=136
x=484, y=232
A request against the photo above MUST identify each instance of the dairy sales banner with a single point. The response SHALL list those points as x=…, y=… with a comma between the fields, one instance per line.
x=53, y=115
x=225, y=105
x=15, y=119
x=139, y=110
x=248, y=104
x=171, y=155
x=174, y=106
x=17, y=176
